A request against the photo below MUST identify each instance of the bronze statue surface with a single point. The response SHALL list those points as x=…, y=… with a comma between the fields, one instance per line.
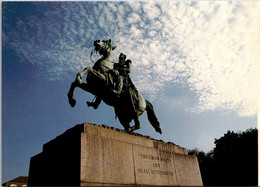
x=110, y=82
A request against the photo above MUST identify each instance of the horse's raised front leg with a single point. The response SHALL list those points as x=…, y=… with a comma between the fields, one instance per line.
x=72, y=101
x=77, y=83
x=82, y=74
x=94, y=104
x=83, y=86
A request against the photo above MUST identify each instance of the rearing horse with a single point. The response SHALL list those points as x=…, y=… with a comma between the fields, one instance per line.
x=100, y=83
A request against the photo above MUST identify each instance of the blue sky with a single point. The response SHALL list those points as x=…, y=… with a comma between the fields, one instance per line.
x=195, y=61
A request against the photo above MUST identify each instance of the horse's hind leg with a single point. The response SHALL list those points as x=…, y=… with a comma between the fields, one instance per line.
x=152, y=117
x=125, y=124
x=137, y=123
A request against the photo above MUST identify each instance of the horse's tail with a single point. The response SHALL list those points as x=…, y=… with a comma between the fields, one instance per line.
x=152, y=117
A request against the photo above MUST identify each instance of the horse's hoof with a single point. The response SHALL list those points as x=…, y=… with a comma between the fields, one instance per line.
x=139, y=126
x=129, y=130
x=72, y=102
x=158, y=129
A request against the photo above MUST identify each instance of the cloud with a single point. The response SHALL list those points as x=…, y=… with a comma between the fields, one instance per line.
x=151, y=10
x=209, y=47
x=133, y=18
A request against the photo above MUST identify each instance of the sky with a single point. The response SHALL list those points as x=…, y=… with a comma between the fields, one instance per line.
x=196, y=62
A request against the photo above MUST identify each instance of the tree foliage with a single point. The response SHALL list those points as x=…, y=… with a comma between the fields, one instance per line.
x=233, y=161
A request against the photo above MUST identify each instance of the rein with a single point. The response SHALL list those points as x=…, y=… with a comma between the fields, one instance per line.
x=91, y=55
x=110, y=61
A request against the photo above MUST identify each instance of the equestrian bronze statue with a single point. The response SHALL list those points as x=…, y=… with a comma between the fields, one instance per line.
x=110, y=82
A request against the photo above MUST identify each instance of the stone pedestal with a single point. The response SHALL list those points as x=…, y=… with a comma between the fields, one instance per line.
x=94, y=155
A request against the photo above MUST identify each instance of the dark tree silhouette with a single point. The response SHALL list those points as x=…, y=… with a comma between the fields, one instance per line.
x=233, y=161
x=205, y=162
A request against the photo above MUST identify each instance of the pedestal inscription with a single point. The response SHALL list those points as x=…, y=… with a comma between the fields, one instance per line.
x=93, y=155
x=154, y=167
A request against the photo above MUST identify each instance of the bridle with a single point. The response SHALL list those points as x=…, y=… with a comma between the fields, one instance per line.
x=94, y=49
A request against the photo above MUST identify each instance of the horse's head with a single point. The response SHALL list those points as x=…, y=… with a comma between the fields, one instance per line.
x=104, y=47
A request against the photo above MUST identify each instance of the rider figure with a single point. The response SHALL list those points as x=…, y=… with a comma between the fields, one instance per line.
x=124, y=83
x=122, y=70
x=119, y=73
x=121, y=77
